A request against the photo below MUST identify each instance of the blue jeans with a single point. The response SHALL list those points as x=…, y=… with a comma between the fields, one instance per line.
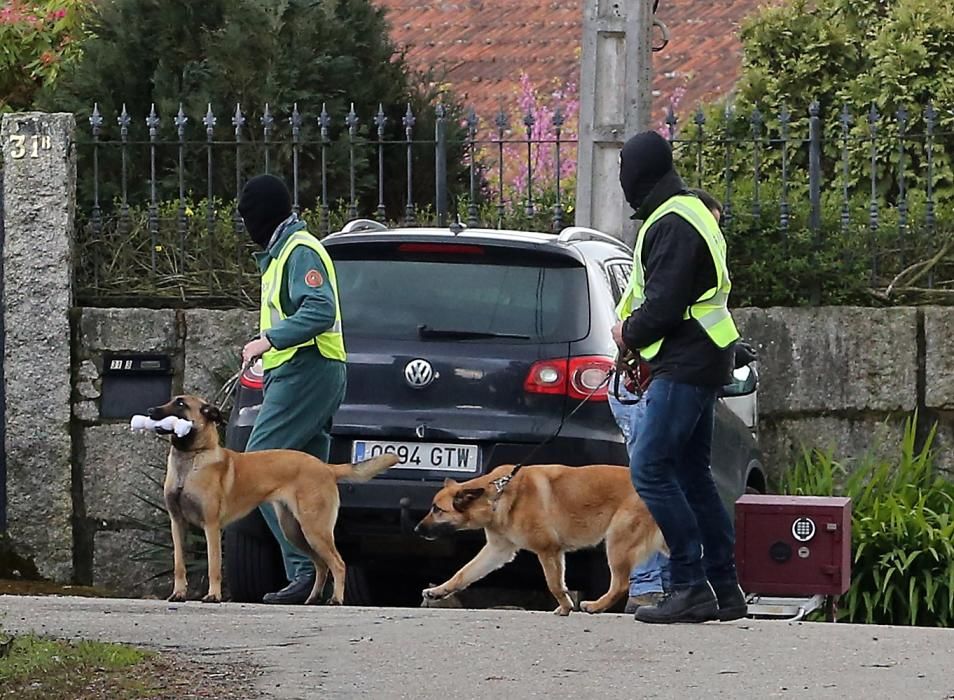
x=670, y=470
x=651, y=576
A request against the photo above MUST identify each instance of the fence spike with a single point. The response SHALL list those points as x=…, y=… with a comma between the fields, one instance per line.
x=295, y=120
x=529, y=120
x=671, y=121
x=756, y=121
x=324, y=121
x=180, y=121
x=209, y=121
x=96, y=120
x=470, y=120
x=408, y=120
x=123, y=121
x=380, y=119
x=845, y=117
x=902, y=116
x=700, y=117
x=238, y=121
x=930, y=116
x=501, y=121
x=152, y=122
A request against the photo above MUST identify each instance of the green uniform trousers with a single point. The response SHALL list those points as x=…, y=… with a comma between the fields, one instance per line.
x=300, y=400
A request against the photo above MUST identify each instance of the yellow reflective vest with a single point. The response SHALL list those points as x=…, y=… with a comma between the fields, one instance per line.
x=330, y=343
x=711, y=309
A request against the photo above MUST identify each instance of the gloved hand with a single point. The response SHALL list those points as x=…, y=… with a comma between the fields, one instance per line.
x=744, y=354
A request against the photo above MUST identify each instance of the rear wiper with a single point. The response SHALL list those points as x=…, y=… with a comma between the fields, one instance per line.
x=426, y=333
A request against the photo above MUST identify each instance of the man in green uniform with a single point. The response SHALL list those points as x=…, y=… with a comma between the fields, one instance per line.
x=301, y=347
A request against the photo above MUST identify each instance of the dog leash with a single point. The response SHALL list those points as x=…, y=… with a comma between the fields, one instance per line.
x=628, y=364
x=230, y=385
x=501, y=483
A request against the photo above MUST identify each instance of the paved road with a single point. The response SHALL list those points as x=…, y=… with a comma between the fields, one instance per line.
x=422, y=654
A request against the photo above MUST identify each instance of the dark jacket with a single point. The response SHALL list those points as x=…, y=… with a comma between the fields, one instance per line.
x=679, y=269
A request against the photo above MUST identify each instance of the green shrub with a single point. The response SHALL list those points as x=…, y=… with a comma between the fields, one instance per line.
x=197, y=254
x=902, y=531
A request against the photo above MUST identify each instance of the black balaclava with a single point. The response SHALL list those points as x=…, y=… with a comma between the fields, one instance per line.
x=265, y=203
x=645, y=159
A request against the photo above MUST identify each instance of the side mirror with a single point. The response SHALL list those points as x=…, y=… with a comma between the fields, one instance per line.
x=745, y=380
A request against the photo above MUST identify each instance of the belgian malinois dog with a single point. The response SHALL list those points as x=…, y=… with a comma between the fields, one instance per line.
x=210, y=487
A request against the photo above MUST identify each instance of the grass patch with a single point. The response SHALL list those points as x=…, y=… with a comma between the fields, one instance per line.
x=38, y=667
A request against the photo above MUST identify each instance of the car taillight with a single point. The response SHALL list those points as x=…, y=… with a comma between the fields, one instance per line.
x=578, y=377
x=546, y=377
x=253, y=377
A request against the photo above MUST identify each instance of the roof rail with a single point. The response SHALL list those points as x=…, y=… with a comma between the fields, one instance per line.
x=362, y=226
x=582, y=233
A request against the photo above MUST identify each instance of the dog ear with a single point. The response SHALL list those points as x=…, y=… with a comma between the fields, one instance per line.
x=211, y=413
x=449, y=482
x=464, y=498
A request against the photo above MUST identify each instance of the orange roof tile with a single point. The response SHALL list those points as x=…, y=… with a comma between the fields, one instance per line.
x=482, y=46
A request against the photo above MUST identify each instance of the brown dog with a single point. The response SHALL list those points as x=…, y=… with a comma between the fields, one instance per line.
x=548, y=510
x=210, y=486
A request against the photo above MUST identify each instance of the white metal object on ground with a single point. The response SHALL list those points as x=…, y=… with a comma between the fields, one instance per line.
x=792, y=609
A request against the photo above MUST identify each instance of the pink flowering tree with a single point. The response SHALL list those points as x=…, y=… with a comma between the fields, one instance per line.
x=37, y=41
x=519, y=155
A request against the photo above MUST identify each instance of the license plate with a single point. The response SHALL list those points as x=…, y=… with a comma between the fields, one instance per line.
x=421, y=455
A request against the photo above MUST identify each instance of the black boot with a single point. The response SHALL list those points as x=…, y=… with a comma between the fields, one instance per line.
x=692, y=604
x=732, y=605
x=295, y=593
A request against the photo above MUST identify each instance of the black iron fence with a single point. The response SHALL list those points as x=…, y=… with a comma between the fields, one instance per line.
x=829, y=205
x=157, y=217
x=825, y=205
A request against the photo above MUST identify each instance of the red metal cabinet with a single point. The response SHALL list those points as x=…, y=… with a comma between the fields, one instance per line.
x=793, y=545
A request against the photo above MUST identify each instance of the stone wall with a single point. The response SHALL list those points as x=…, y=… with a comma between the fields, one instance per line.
x=846, y=378
x=842, y=378
x=115, y=468
x=839, y=378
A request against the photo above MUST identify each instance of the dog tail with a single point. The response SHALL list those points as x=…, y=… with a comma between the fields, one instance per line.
x=366, y=469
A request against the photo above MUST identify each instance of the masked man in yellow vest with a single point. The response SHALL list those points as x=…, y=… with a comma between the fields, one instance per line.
x=674, y=314
x=301, y=347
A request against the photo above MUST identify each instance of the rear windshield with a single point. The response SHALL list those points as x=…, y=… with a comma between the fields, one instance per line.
x=540, y=299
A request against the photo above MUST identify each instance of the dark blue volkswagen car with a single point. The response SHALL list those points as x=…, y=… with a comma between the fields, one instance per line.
x=467, y=348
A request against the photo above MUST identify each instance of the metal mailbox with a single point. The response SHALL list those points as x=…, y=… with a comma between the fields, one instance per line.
x=793, y=545
x=134, y=382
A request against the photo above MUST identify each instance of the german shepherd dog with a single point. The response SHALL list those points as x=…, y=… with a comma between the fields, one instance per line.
x=548, y=510
x=210, y=486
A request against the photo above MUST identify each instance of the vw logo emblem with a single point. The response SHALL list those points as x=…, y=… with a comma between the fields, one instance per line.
x=419, y=374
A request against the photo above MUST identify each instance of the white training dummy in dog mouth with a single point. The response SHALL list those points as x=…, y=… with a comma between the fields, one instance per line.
x=169, y=425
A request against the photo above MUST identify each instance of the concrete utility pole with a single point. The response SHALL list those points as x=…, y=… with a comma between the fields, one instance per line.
x=615, y=103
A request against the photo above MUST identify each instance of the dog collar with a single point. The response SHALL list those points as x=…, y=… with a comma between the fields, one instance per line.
x=499, y=484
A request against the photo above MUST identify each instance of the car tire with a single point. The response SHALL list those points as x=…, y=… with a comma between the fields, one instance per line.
x=358, y=589
x=253, y=560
